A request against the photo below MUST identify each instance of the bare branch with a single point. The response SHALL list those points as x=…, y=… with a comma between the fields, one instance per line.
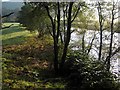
x=116, y=12
x=91, y=44
x=76, y=13
x=113, y=53
x=49, y=31
x=73, y=30
x=117, y=17
x=7, y=15
x=52, y=21
x=7, y=26
x=106, y=28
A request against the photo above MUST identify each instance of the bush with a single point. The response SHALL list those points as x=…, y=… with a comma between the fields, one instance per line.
x=86, y=73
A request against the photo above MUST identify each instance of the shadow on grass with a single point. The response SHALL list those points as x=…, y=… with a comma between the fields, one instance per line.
x=12, y=29
x=15, y=40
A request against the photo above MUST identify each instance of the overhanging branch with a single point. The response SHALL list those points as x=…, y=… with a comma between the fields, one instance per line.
x=7, y=26
x=113, y=53
x=7, y=15
x=76, y=14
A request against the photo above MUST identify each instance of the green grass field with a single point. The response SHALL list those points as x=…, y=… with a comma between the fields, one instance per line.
x=14, y=35
x=23, y=58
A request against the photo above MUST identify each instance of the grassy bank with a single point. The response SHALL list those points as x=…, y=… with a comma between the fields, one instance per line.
x=27, y=60
x=15, y=34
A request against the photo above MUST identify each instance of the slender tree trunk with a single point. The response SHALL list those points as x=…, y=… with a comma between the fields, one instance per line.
x=61, y=38
x=111, y=41
x=67, y=40
x=100, y=49
x=100, y=28
x=55, y=40
x=64, y=23
x=58, y=21
x=83, y=43
x=91, y=44
x=55, y=53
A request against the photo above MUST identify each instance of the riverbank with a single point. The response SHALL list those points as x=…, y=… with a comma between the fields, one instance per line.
x=27, y=60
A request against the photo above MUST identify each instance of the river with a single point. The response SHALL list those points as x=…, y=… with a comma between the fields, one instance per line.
x=76, y=39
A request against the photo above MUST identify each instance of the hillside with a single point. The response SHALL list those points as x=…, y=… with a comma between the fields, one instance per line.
x=11, y=5
x=8, y=7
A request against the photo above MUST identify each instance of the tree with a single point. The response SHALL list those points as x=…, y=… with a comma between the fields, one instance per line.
x=25, y=17
x=101, y=22
x=34, y=18
x=109, y=17
x=55, y=12
x=68, y=18
x=113, y=17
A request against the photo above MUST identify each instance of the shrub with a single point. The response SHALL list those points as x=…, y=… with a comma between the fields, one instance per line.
x=86, y=73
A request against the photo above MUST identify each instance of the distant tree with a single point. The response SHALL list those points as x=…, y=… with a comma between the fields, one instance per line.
x=25, y=17
x=34, y=18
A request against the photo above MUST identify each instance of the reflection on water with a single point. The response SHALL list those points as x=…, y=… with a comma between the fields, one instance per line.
x=76, y=39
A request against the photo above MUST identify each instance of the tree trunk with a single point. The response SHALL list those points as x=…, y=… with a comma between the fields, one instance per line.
x=55, y=40
x=100, y=49
x=111, y=41
x=101, y=28
x=83, y=43
x=67, y=40
x=55, y=56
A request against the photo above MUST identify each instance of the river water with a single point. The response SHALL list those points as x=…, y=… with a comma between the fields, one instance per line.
x=76, y=39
